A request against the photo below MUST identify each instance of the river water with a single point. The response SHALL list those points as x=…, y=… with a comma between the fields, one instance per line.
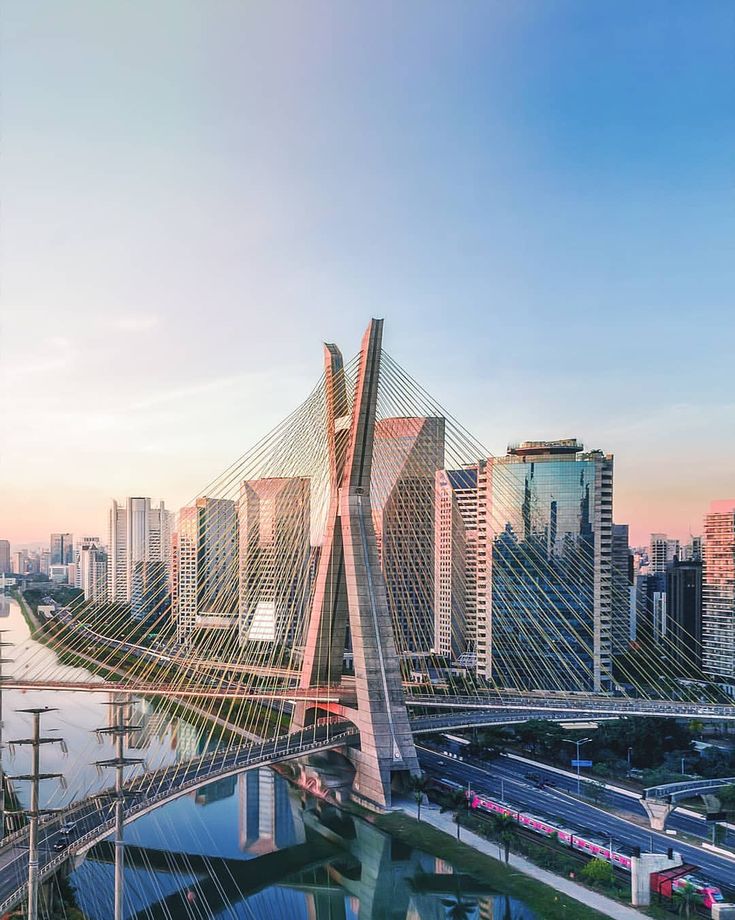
x=249, y=847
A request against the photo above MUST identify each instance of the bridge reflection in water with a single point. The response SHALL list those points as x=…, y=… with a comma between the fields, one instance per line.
x=281, y=852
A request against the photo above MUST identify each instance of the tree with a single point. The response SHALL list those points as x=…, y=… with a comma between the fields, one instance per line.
x=456, y=801
x=598, y=872
x=686, y=897
x=418, y=787
x=504, y=831
x=726, y=795
x=594, y=791
x=458, y=907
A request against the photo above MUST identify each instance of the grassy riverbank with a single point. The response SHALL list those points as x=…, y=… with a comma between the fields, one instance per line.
x=547, y=903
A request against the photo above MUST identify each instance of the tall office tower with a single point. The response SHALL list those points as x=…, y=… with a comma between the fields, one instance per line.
x=205, y=565
x=650, y=626
x=623, y=591
x=5, y=566
x=44, y=561
x=718, y=590
x=91, y=569
x=549, y=510
x=61, y=549
x=661, y=552
x=455, y=564
x=684, y=614
x=117, y=565
x=276, y=569
x=693, y=550
x=20, y=562
x=138, y=534
x=407, y=454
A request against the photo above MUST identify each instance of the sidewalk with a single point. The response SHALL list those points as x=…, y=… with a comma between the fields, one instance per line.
x=445, y=822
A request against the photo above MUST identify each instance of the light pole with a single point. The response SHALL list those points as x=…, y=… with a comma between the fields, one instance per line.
x=630, y=751
x=579, y=745
x=682, y=766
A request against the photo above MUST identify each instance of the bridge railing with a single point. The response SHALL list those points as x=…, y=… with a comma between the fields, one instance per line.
x=672, y=791
x=233, y=761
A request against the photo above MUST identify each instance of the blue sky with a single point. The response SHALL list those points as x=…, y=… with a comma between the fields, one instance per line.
x=537, y=196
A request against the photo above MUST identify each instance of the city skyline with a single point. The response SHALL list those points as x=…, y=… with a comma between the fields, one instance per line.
x=537, y=203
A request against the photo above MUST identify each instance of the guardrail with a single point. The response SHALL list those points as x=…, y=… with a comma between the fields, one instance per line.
x=233, y=762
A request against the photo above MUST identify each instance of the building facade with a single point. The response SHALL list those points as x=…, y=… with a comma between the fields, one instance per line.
x=549, y=548
x=5, y=561
x=456, y=563
x=139, y=535
x=684, y=614
x=408, y=452
x=205, y=565
x=91, y=569
x=718, y=591
x=61, y=549
x=623, y=590
x=276, y=572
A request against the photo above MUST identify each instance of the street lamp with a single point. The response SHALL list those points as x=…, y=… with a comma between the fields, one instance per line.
x=630, y=751
x=579, y=745
x=682, y=766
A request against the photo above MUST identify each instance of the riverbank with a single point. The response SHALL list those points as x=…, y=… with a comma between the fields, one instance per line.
x=551, y=897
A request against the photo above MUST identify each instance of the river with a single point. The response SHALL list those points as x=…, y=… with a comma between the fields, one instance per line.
x=249, y=847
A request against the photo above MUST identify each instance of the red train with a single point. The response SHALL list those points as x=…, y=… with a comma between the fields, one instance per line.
x=710, y=894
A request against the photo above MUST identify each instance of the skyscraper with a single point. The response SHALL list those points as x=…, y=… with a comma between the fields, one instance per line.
x=61, y=548
x=407, y=454
x=623, y=592
x=549, y=513
x=684, y=613
x=138, y=535
x=275, y=555
x=5, y=565
x=205, y=565
x=455, y=563
x=662, y=550
x=91, y=569
x=718, y=590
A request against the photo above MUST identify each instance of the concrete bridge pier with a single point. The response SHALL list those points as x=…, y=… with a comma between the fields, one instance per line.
x=658, y=812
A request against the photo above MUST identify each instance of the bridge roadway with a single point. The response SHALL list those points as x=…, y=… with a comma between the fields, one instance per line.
x=93, y=818
x=571, y=704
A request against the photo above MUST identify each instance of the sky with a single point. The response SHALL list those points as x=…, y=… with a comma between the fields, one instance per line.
x=537, y=196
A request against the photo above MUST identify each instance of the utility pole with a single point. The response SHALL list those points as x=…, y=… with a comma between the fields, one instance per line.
x=35, y=777
x=118, y=730
x=3, y=660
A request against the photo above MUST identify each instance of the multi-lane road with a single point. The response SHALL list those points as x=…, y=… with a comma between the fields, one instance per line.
x=504, y=778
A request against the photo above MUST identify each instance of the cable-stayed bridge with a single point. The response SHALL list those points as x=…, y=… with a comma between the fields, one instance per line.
x=333, y=538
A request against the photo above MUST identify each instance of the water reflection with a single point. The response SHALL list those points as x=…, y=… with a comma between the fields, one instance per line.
x=162, y=739
x=258, y=847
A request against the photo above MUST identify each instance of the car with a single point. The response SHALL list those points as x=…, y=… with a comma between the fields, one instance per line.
x=61, y=843
x=67, y=827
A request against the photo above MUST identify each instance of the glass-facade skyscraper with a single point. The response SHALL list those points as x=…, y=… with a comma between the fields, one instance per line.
x=549, y=514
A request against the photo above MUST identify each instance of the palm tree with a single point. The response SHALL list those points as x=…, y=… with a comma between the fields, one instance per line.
x=455, y=802
x=418, y=787
x=458, y=907
x=504, y=831
x=686, y=896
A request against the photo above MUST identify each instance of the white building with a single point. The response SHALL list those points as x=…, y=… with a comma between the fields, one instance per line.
x=138, y=533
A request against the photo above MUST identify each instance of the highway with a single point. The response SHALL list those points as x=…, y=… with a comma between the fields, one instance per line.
x=507, y=776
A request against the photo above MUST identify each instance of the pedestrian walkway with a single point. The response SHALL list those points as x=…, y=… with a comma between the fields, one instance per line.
x=445, y=822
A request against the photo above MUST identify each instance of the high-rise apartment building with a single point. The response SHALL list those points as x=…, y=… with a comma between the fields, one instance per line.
x=61, y=548
x=275, y=559
x=455, y=563
x=91, y=569
x=684, y=614
x=20, y=562
x=718, y=591
x=693, y=550
x=661, y=551
x=205, y=565
x=138, y=535
x=549, y=548
x=623, y=591
x=5, y=562
x=408, y=452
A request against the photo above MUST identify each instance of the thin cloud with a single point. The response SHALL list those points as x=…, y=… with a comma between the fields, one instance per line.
x=136, y=323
